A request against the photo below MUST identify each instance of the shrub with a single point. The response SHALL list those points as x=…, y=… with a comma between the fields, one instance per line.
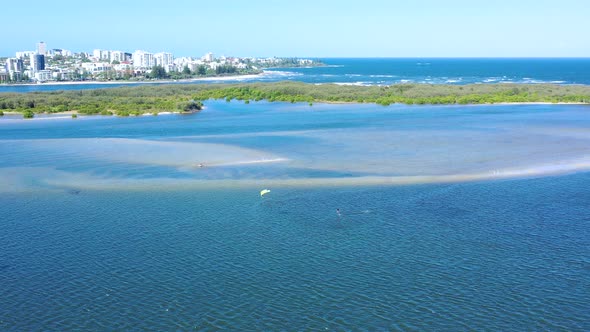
x=190, y=106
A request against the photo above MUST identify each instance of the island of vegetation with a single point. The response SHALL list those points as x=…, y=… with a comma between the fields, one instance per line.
x=152, y=99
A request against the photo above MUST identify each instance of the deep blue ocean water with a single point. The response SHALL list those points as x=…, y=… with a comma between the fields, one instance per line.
x=106, y=223
x=385, y=71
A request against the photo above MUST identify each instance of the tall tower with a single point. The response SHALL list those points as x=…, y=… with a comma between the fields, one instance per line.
x=37, y=62
x=41, y=48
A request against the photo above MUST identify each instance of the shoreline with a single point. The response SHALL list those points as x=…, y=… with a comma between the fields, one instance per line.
x=535, y=103
x=327, y=103
x=167, y=81
x=480, y=104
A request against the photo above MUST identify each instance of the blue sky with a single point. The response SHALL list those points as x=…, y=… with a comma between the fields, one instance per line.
x=368, y=28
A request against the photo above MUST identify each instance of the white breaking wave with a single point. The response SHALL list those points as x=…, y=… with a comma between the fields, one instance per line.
x=280, y=73
x=354, y=83
x=382, y=76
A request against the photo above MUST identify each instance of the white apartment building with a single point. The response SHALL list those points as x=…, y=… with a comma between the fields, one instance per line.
x=105, y=55
x=43, y=75
x=143, y=59
x=14, y=65
x=101, y=54
x=41, y=48
x=24, y=54
x=14, y=68
x=64, y=74
x=123, y=67
x=181, y=62
x=117, y=56
x=97, y=67
x=163, y=59
x=208, y=57
x=170, y=67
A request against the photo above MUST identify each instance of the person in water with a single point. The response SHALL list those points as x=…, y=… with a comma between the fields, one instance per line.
x=338, y=212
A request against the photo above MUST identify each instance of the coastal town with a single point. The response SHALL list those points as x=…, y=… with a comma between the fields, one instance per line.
x=46, y=64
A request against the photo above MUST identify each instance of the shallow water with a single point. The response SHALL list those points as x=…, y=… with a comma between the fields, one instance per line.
x=295, y=144
x=109, y=223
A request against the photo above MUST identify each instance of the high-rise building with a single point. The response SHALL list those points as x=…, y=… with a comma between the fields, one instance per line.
x=15, y=68
x=4, y=76
x=41, y=48
x=24, y=54
x=163, y=59
x=142, y=59
x=101, y=54
x=208, y=57
x=37, y=62
x=117, y=56
x=32, y=61
x=14, y=65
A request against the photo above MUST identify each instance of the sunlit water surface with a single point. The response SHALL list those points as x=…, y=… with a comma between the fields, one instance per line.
x=452, y=218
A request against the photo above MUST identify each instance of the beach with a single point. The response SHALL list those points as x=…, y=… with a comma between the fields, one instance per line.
x=123, y=82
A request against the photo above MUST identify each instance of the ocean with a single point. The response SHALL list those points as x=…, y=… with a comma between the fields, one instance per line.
x=452, y=218
x=386, y=71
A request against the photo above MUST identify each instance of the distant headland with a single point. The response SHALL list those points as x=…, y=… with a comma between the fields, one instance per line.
x=45, y=65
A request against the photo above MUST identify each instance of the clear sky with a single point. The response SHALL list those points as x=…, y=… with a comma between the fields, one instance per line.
x=304, y=28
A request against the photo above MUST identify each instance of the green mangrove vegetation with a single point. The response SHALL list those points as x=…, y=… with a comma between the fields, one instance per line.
x=137, y=100
x=28, y=114
x=189, y=106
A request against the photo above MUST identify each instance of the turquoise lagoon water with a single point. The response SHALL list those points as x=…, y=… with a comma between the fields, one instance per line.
x=453, y=218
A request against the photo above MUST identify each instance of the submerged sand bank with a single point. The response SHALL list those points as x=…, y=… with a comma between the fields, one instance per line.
x=18, y=179
x=383, y=148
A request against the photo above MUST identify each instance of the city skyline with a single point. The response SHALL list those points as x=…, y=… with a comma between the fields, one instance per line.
x=57, y=64
x=373, y=28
